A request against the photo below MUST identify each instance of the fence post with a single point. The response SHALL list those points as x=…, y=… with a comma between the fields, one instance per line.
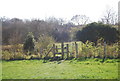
x=53, y=50
x=67, y=48
x=104, y=52
x=99, y=56
x=76, y=50
x=41, y=52
x=62, y=49
x=105, y=49
x=56, y=49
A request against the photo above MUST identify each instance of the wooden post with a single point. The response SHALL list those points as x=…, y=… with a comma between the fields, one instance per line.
x=71, y=55
x=62, y=50
x=104, y=52
x=99, y=56
x=41, y=52
x=53, y=50
x=67, y=48
x=76, y=50
x=56, y=49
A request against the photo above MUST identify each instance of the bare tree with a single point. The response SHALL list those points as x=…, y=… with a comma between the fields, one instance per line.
x=80, y=19
x=15, y=38
x=110, y=17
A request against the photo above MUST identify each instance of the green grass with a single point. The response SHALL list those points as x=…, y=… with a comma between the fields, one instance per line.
x=70, y=69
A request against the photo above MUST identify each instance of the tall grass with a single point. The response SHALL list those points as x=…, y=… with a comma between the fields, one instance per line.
x=88, y=49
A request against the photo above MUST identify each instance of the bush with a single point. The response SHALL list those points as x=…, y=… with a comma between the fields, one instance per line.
x=88, y=49
x=44, y=43
x=6, y=55
x=9, y=55
x=29, y=44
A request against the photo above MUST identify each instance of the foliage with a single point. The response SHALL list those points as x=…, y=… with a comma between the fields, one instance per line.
x=85, y=50
x=29, y=44
x=43, y=44
x=11, y=52
x=95, y=31
x=89, y=49
x=44, y=41
x=7, y=55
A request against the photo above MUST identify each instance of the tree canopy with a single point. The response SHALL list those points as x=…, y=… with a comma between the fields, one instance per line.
x=95, y=31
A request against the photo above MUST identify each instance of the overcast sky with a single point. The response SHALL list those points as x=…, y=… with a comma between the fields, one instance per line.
x=27, y=9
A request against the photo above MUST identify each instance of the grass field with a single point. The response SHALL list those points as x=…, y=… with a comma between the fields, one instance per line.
x=69, y=69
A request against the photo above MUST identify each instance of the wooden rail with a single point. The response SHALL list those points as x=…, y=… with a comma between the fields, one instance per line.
x=64, y=50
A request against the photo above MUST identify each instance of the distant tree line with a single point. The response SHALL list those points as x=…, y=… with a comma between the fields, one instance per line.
x=15, y=30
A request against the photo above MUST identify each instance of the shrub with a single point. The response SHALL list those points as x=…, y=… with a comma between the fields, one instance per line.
x=29, y=44
x=88, y=49
x=44, y=43
x=6, y=55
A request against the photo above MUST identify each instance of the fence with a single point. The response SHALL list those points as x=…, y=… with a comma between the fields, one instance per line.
x=62, y=51
x=66, y=50
x=75, y=50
